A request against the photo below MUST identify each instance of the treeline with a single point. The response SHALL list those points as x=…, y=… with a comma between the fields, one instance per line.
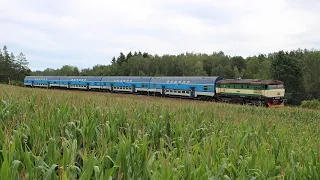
x=298, y=69
x=13, y=68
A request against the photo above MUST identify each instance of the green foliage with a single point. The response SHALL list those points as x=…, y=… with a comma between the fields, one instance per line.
x=66, y=70
x=12, y=67
x=311, y=104
x=257, y=68
x=311, y=70
x=17, y=83
x=287, y=67
x=50, y=134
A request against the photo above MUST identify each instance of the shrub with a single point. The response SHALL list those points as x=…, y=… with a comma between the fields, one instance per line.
x=311, y=104
x=16, y=83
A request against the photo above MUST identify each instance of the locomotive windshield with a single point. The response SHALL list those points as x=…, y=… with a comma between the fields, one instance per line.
x=279, y=86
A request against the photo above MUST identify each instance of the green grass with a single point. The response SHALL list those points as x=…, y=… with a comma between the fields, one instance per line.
x=50, y=134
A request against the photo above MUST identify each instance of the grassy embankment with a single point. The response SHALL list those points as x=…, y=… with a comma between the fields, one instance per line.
x=64, y=134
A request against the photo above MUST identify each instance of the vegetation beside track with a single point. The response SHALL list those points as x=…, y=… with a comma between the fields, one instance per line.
x=53, y=134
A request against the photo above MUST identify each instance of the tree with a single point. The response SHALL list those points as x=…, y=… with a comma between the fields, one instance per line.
x=68, y=70
x=129, y=55
x=311, y=69
x=50, y=72
x=2, y=68
x=197, y=69
x=287, y=68
x=238, y=62
x=22, y=61
x=257, y=68
x=145, y=55
x=121, y=58
x=12, y=67
x=113, y=61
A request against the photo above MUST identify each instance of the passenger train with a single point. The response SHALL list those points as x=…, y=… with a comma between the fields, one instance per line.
x=214, y=88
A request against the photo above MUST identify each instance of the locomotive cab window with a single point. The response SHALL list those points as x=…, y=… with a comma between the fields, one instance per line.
x=280, y=86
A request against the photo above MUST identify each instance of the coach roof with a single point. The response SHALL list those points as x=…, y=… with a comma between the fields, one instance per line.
x=81, y=78
x=42, y=78
x=189, y=79
x=126, y=78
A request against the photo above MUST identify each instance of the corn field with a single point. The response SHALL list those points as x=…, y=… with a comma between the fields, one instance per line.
x=55, y=134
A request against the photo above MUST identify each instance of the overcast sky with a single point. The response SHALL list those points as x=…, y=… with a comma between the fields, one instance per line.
x=85, y=33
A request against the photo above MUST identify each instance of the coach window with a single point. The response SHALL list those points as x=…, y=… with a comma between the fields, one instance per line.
x=205, y=88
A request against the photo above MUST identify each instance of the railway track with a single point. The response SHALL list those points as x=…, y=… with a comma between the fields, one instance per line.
x=153, y=95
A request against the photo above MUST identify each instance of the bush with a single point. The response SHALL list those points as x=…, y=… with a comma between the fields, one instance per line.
x=16, y=83
x=311, y=104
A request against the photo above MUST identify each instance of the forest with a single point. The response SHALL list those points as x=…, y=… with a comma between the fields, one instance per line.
x=13, y=68
x=298, y=69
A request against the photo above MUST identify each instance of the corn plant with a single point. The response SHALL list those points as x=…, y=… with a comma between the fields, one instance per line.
x=56, y=134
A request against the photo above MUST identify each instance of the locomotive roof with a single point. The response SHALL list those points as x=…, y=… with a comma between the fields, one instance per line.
x=250, y=81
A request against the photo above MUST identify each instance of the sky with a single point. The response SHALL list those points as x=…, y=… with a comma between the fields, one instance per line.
x=84, y=33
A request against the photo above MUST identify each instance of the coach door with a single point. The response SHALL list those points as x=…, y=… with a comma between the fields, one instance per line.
x=133, y=88
x=32, y=83
x=192, y=92
x=88, y=86
x=163, y=90
x=111, y=87
x=68, y=85
x=48, y=85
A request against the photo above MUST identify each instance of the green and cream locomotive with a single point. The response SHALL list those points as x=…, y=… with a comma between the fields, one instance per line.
x=251, y=91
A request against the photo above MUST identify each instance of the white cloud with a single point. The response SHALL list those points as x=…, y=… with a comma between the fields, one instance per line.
x=85, y=32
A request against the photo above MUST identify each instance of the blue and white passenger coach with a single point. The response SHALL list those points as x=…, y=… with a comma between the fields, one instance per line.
x=185, y=86
x=80, y=82
x=125, y=83
x=42, y=81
